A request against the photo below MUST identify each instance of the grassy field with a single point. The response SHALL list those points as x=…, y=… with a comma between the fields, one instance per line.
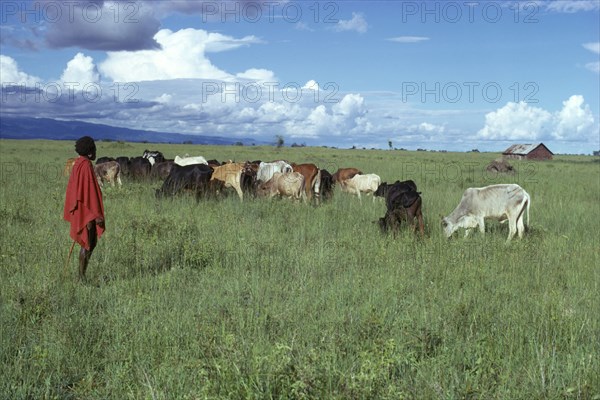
x=276, y=300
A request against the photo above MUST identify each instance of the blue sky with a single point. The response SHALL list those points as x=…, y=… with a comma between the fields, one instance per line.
x=436, y=74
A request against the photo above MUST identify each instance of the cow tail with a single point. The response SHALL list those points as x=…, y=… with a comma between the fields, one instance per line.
x=528, y=204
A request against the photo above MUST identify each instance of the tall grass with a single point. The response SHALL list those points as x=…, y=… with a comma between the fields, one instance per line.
x=274, y=299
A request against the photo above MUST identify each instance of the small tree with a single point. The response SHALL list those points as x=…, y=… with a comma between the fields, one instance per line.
x=279, y=141
x=390, y=144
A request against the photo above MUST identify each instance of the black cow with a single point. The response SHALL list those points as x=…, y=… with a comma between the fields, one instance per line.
x=139, y=168
x=194, y=177
x=384, y=187
x=403, y=203
x=154, y=156
x=161, y=170
x=327, y=185
x=124, y=163
x=102, y=160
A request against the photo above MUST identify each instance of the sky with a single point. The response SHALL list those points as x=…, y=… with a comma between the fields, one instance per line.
x=438, y=75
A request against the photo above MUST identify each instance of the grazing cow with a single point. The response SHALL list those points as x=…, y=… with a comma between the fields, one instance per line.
x=266, y=170
x=312, y=179
x=69, y=166
x=104, y=159
x=140, y=168
x=384, y=188
x=109, y=171
x=290, y=185
x=124, y=163
x=343, y=174
x=503, y=201
x=162, y=169
x=367, y=183
x=326, y=185
x=154, y=156
x=403, y=203
x=230, y=175
x=191, y=177
x=183, y=161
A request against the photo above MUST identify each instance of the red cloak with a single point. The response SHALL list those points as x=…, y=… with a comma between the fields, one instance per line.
x=83, y=201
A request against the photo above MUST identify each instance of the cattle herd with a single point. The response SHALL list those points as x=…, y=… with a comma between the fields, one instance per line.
x=306, y=182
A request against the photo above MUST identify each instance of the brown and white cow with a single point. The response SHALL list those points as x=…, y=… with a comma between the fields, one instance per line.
x=109, y=171
x=289, y=185
x=312, y=179
x=230, y=175
x=501, y=202
x=343, y=174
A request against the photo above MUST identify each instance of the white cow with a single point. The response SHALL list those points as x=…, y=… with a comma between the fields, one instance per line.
x=266, y=170
x=183, y=161
x=366, y=183
x=502, y=202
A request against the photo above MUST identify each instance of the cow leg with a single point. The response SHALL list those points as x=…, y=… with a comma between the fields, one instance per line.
x=512, y=227
x=467, y=231
x=520, y=226
x=119, y=180
x=481, y=224
x=238, y=189
x=421, y=225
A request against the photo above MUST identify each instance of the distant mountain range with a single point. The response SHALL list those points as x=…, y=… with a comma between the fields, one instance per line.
x=47, y=128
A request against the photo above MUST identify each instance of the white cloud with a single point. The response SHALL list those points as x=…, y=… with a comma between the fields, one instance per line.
x=350, y=106
x=182, y=55
x=10, y=74
x=258, y=75
x=357, y=23
x=408, y=39
x=574, y=119
x=515, y=121
x=593, y=66
x=311, y=85
x=571, y=6
x=163, y=98
x=81, y=69
x=427, y=127
x=520, y=121
x=594, y=47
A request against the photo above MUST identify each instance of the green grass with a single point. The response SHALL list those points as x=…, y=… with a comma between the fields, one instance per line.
x=271, y=299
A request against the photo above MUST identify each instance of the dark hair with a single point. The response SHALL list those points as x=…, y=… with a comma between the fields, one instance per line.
x=85, y=146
